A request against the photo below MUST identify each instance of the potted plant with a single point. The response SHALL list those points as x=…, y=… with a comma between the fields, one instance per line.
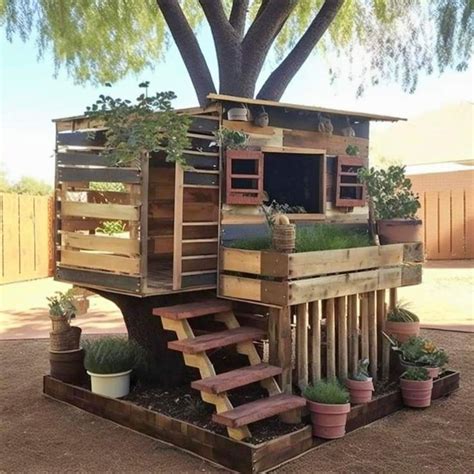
x=416, y=386
x=328, y=403
x=394, y=203
x=421, y=352
x=61, y=310
x=402, y=323
x=360, y=385
x=109, y=361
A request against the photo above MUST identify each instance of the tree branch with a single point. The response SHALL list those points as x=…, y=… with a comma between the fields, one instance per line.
x=238, y=16
x=279, y=79
x=189, y=48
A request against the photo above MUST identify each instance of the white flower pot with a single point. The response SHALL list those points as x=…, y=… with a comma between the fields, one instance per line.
x=111, y=385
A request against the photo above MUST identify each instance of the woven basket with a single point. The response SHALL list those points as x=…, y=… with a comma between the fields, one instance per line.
x=66, y=340
x=59, y=324
x=284, y=237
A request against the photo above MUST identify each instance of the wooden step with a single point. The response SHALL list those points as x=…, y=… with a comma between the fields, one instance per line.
x=236, y=378
x=216, y=340
x=258, y=410
x=193, y=310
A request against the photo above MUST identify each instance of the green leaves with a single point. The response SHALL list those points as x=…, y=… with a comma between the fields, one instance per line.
x=331, y=392
x=390, y=191
x=416, y=374
x=148, y=125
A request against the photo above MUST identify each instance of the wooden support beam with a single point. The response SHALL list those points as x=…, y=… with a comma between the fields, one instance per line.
x=364, y=325
x=384, y=346
x=372, y=335
x=330, y=339
x=315, y=315
x=393, y=297
x=302, y=344
x=178, y=227
x=342, y=337
x=352, y=301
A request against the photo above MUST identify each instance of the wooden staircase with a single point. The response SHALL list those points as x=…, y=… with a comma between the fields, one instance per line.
x=214, y=387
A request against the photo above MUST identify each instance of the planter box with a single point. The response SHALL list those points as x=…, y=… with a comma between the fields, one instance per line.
x=286, y=279
x=237, y=455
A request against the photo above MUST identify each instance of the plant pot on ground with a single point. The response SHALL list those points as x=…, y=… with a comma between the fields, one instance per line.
x=328, y=404
x=109, y=361
x=401, y=323
x=67, y=366
x=394, y=203
x=360, y=385
x=416, y=386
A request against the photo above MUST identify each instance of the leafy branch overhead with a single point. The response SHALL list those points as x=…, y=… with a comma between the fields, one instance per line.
x=392, y=40
x=148, y=125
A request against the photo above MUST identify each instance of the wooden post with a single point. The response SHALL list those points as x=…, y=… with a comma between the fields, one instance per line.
x=302, y=344
x=342, y=337
x=393, y=297
x=330, y=339
x=315, y=315
x=354, y=334
x=384, y=344
x=178, y=226
x=364, y=325
x=372, y=336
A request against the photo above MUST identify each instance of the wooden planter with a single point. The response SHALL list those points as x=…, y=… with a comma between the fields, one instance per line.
x=280, y=279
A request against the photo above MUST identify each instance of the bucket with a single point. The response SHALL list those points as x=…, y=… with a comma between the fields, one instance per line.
x=111, y=385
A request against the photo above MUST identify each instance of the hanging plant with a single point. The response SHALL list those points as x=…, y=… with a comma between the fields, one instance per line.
x=148, y=125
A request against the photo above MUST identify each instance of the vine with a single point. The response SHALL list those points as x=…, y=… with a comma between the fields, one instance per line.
x=148, y=125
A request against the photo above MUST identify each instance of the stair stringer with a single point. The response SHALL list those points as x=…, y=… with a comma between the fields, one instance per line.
x=202, y=362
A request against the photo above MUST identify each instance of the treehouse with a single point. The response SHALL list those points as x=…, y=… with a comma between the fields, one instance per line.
x=163, y=230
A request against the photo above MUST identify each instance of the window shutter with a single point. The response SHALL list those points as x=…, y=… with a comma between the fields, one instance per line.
x=244, y=177
x=349, y=191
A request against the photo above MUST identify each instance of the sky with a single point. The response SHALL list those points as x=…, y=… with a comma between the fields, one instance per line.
x=30, y=97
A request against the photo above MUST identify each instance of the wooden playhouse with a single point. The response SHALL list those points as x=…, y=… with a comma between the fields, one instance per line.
x=318, y=312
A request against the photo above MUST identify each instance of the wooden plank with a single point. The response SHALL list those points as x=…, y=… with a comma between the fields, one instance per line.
x=106, y=175
x=194, y=309
x=259, y=410
x=201, y=179
x=315, y=321
x=372, y=323
x=444, y=216
x=116, y=245
x=364, y=326
x=202, y=263
x=216, y=340
x=432, y=224
x=202, y=162
x=236, y=378
x=342, y=366
x=178, y=227
x=11, y=239
x=254, y=262
x=26, y=222
x=202, y=280
x=240, y=288
x=97, y=261
x=82, y=159
x=100, y=211
x=352, y=307
x=459, y=217
x=89, y=138
x=330, y=338
x=203, y=124
x=469, y=223
x=97, y=279
x=302, y=345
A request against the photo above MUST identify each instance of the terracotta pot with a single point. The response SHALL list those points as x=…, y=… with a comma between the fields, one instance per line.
x=399, y=231
x=329, y=421
x=68, y=366
x=433, y=372
x=416, y=393
x=360, y=390
x=402, y=331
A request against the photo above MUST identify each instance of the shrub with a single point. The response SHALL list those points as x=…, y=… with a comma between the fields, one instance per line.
x=423, y=352
x=111, y=355
x=62, y=305
x=400, y=314
x=330, y=392
x=416, y=373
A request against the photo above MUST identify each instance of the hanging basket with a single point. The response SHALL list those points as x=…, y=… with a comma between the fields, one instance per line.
x=284, y=235
x=59, y=324
x=66, y=340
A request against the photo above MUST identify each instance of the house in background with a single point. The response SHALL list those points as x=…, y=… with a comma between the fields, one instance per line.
x=438, y=150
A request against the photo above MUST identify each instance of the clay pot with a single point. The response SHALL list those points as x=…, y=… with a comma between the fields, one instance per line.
x=399, y=231
x=68, y=366
x=329, y=421
x=416, y=393
x=433, y=372
x=360, y=390
x=402, y=331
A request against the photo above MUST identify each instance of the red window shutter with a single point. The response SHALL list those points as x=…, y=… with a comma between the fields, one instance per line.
x=244, y=177
x=349, y=191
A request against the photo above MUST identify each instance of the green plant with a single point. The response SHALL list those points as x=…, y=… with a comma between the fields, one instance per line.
x=362, y=373
x=400, y=314
x=149, y=125
x=331, y=392
x=352, y=150
x=230, y=139
x=61, y=305
x=422, y=352
x=111, y=227
x=390, y=192
x=107, y=187
x=112, y=355
x=416, y=373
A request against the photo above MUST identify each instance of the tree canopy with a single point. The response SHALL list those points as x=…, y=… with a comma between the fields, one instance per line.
x=368, y=41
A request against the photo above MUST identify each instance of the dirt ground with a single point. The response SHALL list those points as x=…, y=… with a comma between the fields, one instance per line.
x=41, y=435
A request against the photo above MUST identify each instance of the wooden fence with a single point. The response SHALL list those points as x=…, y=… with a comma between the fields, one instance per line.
x=26, y=242
x=447, y=211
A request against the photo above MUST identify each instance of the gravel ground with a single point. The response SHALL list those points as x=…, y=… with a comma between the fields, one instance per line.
x=38, y=434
